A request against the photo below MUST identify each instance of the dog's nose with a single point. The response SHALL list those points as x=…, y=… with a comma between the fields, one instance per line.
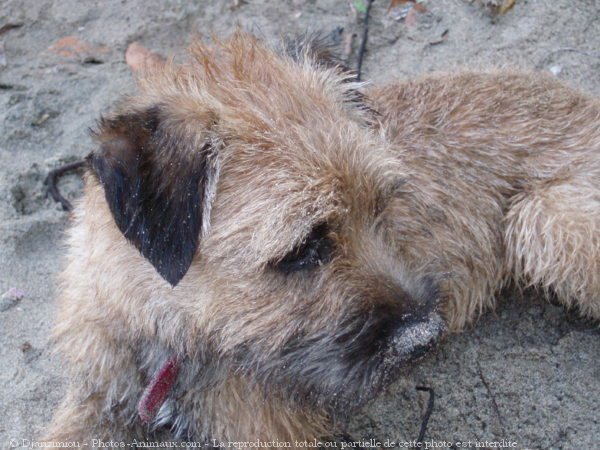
x=416, y=336
x=419, y=326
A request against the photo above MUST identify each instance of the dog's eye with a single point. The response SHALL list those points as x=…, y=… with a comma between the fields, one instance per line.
x=314, y=251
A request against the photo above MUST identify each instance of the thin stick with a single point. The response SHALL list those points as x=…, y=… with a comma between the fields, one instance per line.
x=428, y=411
x=490, y=394
x=590, y=54
x=363, y=43
x=52, y=180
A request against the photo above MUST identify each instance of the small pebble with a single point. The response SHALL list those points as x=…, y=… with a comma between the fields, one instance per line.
x=10, y=298
x=25, y=347
x=555, y=70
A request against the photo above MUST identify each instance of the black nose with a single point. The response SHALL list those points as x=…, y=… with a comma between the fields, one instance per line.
x=415, y=337
x=419, y=327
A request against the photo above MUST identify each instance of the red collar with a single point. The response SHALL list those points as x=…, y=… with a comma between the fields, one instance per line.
x=158, y=390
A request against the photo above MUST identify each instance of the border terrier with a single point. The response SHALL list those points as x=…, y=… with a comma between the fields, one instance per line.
x=263, y=243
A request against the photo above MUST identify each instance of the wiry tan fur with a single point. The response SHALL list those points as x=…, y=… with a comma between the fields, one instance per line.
x=468, y=180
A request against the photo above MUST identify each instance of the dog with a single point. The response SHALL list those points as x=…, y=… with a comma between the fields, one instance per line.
x=263, y=243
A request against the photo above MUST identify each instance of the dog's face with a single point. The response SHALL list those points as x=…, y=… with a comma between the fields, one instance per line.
x=259, y=188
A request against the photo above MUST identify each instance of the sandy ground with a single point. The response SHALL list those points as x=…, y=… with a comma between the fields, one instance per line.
x=529, y=373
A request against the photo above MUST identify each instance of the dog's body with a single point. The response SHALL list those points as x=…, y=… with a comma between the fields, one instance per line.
x=286, y=238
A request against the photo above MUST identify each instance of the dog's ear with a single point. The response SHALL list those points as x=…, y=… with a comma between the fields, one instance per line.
x=322, y=49
x=155, y=181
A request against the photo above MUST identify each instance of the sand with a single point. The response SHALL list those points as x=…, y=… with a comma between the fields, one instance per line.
x=528, y=373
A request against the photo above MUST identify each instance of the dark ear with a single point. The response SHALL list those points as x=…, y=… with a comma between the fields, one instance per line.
x=324, y=50
x=321, y=48
x=154, y=181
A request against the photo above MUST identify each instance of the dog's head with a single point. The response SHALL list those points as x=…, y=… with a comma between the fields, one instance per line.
x=257, y=185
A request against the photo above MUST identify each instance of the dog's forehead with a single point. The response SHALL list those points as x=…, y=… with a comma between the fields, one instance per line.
x=267, y=200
